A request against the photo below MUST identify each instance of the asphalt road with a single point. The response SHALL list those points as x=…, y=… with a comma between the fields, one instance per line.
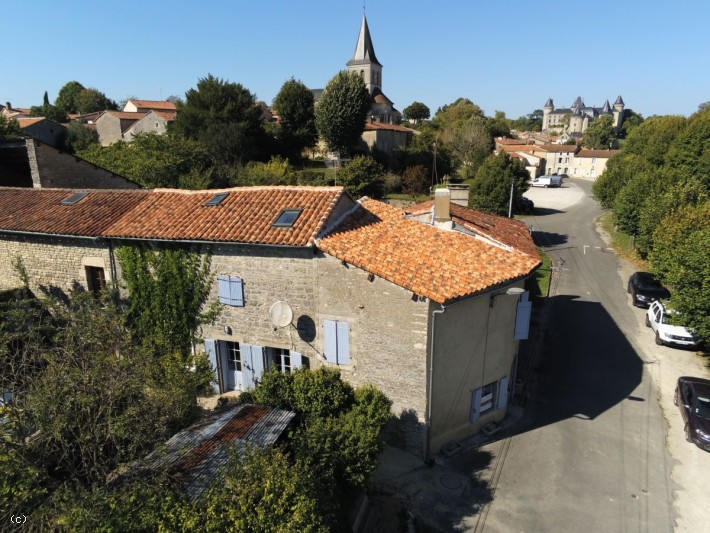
x=590, y=455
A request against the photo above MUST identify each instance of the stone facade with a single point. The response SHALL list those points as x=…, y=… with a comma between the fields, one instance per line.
x=151, y=123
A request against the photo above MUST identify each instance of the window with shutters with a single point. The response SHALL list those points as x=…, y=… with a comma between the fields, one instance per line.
x=336, y=342
x=489, y=398
x=231, y=290
x=285, y=360
x=282, y=360
x=234, y=356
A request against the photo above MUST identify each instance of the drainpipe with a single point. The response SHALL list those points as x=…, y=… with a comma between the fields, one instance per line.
x=431, y=379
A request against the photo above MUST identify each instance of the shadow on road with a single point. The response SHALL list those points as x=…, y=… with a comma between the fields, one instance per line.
x=545, y=211
x=547, y=239
x=585, y=367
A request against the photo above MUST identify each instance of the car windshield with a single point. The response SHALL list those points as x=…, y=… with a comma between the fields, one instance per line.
x=702, y=407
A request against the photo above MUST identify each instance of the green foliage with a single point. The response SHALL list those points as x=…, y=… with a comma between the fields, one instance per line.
x=415, y=180
x=499, y=125
x=420, y=151
x=79, y=137
x=600, y=133
x=630, y=200
x=9, y=129
x=363, y=176
x=469, y=144
x=619, y=170
x=224, y=117
x=68, y=97
x=48, y=111
x=417, y=112
x=342, y=111
x=530, y=122
x=652, y=139
x=680, y=256
x=153, y=160
x=490, y=190
x=690, y=152
x=295, y=108
x=455, y=115
x=276, y=172
x=91, y=100
x=167, y=290
x=630, y=121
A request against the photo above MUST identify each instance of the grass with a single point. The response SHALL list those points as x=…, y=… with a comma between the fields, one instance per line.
x=539, y=285
x=621, y=242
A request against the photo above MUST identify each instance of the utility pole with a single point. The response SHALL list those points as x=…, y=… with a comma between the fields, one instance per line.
x=510, y=204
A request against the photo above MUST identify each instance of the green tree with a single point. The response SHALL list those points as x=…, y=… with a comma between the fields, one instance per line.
x=416, y=111
x=9, y=129
x=630, y=201
x=529, y=122
x=600, y=134
x=630, y=121
x=490, y=190
x=224, y=117
x=455, y=115
x=79, y=137
x=469, y=143
x=363, y=176
x=619, y=170
x=154, y=160
x=652, y=138
x=91, y=100
x=689, y=154
x=167, y=291
x=415, y=180
x=68, y=97
x=499, y=125
x=295, y=108
x=276, y=172
x=425, y=149
x=48, y=111
x=680, y=256
x=342, y=111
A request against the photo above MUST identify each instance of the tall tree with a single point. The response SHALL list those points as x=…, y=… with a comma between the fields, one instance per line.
x=470, y=143
x=490, y=190
x=49, y=111
x=499, y=125
x=224, y=117
x=295, y=108
x=455, y=115
x=91, y=100
x=9, y=128
x=618, y=172
x=652, y=138
x=363, y=176
x=67, y=97
x=416, y=112
x=342, y=111
x=600, y=133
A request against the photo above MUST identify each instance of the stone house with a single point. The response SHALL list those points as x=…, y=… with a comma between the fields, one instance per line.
x=591, y=163
x=111, y=125
x=43, y=129
x=144, y=106
x=426, y=305
x=386, y=138
x=153, y=122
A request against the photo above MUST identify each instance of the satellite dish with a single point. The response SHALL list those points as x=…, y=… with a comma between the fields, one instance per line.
x=281, y=314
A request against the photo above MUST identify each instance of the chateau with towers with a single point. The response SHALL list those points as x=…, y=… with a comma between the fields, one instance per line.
x=580, y=116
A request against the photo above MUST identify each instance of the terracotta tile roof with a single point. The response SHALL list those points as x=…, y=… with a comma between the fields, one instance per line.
x=154, y=104
x=167, y=115
x=373, y=126
x=507, y=231
x=441, y=265
x=125, y=115
x=246, y=215
x=519, y=148
x=29, y=121
x=598, y=153
x=510, y=142
x=558, y=148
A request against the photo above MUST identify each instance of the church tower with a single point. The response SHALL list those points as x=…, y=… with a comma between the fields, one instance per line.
x=364, y=60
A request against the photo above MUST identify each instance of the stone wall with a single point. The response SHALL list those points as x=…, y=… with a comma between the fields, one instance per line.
x=110, y=129
x=52, y=263
x=52, y=168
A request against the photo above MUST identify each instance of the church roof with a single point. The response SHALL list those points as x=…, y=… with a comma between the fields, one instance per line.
x=364, y=50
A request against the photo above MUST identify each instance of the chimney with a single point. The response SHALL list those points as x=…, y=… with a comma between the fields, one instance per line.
x=8, y=105
x=442, y=215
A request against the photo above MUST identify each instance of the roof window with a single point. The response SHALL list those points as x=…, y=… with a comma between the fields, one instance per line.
x=287, y=218
x=74, y=198
x=217, y=199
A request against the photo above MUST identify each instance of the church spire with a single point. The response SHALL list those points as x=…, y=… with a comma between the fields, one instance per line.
x=364, y=50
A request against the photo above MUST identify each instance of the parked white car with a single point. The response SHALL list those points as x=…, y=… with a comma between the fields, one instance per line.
x=658, y=319
x=547, y=181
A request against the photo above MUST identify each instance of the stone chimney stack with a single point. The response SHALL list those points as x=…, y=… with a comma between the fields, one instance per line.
x=442, y=211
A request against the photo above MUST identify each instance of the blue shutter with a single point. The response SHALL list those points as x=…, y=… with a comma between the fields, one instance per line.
x=330, y=343
x=236, y=292
x=522, y=321
x=223, y=289
x=211, y=349
x=343, y=343
x=502, y=393
x=247, y=366
x=257, y=362
x=296, y=360
x=476, y=405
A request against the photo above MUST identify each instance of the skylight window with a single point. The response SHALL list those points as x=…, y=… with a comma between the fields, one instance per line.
x=287, y=218
x=217, y=199
x=74, y=198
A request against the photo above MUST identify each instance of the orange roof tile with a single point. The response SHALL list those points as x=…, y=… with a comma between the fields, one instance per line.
x=167, y=115
x=558, y=148
x=598, y=153
x=154, y=104
x=246, y=215
x=24, y=122
x=126, y=115
x=441, y=265
x=508, y=231
x=372, y=126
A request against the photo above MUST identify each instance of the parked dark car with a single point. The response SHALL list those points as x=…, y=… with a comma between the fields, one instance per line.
x=644, y=289
x=692, y=395
x=526, y=205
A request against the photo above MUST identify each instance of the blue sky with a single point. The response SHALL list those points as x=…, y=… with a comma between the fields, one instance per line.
x=505, y=55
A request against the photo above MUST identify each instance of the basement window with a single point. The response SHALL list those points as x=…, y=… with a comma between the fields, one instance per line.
x=217, y=199
x=74, y=198
x=287, y=218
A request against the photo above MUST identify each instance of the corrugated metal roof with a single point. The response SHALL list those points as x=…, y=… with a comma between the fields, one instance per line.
x=196, y=454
